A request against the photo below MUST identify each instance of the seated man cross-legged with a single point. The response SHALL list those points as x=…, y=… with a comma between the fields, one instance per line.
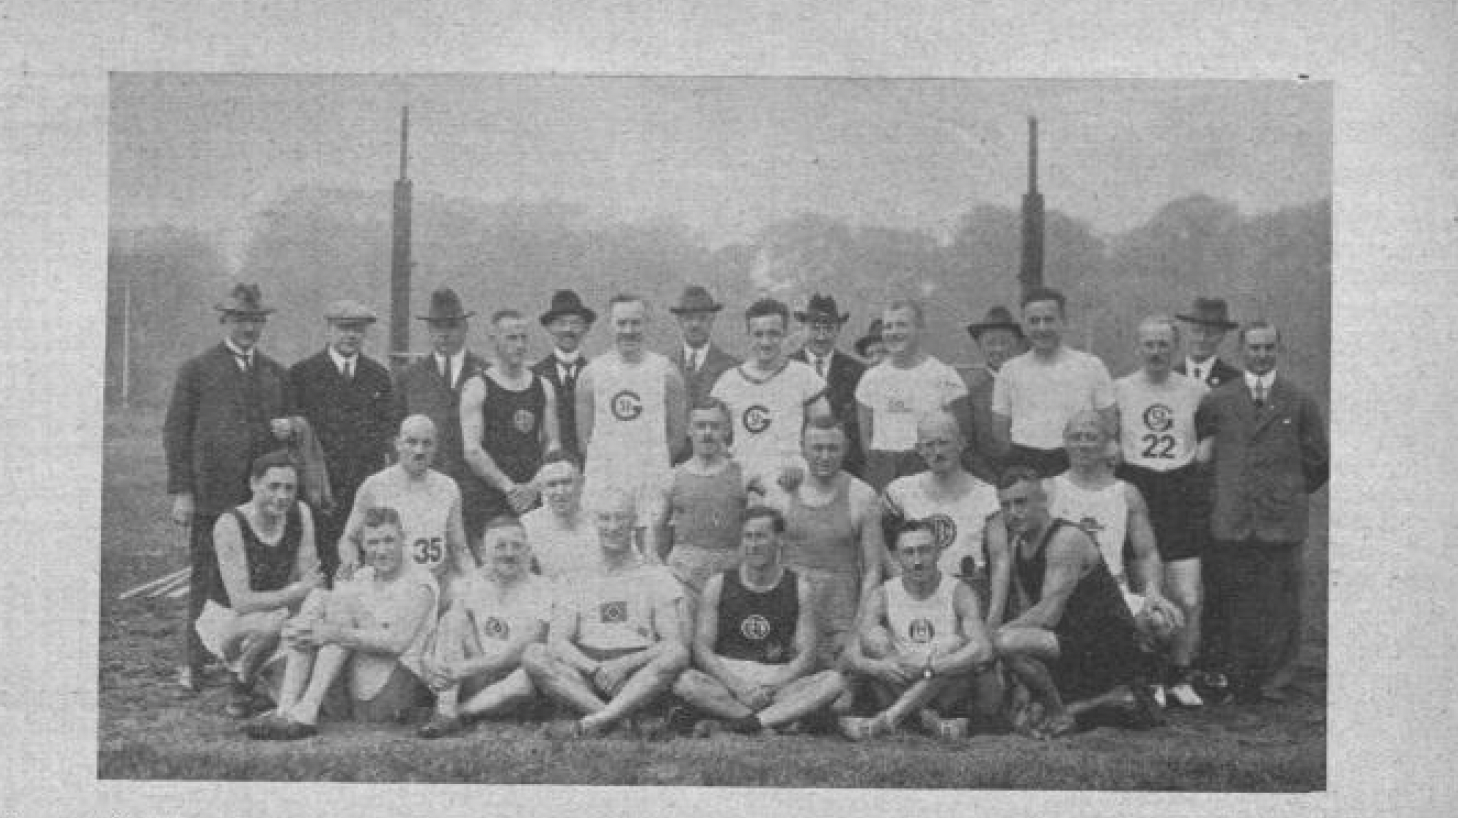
x=922, y=647
x=475, y=668
x=755, y=640
x=371, y=630
x=616, y=641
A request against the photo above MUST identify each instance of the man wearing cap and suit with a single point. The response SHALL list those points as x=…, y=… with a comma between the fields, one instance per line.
x=699, y=360
x=1268, y=443
x=841, y=372
x=566, y=320
x=228, y=407
x=432, y=387
x=1208, y=324
x=348, y=400
x=999, y=337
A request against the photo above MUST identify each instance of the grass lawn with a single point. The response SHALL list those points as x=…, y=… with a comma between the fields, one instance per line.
x=147, y=732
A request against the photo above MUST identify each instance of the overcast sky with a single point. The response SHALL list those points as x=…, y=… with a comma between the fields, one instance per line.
x=726, y=156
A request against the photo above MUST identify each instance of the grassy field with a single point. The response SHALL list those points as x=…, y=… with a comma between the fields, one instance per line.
x=147, y=732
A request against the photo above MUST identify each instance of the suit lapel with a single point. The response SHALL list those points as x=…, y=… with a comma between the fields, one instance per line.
x=1276, y=399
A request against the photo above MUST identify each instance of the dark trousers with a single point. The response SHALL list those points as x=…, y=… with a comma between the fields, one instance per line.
x=1046, y=462
x=1257, y=583
x=204, y=563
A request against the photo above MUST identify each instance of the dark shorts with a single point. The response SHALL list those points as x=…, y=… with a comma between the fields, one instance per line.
x=1096, y=658
x=1179, y=509
x=480, y=504
x=1046, y=462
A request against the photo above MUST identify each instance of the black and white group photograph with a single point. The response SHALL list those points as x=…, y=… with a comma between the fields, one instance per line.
x=717, y=431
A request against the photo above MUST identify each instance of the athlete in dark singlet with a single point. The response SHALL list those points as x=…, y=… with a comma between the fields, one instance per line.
x=1074, y=639
x=755, y=642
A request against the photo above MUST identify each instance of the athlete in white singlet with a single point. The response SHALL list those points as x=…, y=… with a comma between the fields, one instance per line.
x=955, y=504
x=563, y=536
x=429, y=505
x=631, y=408
x=769, y=396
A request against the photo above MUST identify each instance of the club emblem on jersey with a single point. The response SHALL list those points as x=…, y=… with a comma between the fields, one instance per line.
x=754, y=627
x=944, y=529
x=1158, y=417
x=626, y=405
x=897, y=405
x=756, y=419
x=920, y=630
x=496, y=628
x=611, y=612
x=524, y=421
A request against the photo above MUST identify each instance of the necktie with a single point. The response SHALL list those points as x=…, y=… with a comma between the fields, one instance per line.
x=1260, y=394
x=1199, y=376
x=445, y=370
x=693, y=362
x=569, y=375
x=245, y=361
x=349, y=369
x=820, y=367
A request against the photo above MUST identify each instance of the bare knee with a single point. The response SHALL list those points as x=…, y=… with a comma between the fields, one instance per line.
x=536, y=660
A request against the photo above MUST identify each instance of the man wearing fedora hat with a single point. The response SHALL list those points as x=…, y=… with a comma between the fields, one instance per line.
x=227, y=408
x=347, y=399
x=1208, y=322
x=842, y=373
x=699, y=360
x=432, y=387
x=567, y=320
x=999, y=337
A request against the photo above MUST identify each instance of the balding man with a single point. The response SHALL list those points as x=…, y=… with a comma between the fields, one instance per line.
x=427, y=502
x=1157, y=432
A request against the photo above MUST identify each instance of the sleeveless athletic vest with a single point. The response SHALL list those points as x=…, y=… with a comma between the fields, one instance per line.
x=511, y=427
x=269, y=566
x=758, y=626
x=920, y=625
x=706, y=511
x=1103, y=514
x=823, y=538
x=1096, y=599
x=628, y=424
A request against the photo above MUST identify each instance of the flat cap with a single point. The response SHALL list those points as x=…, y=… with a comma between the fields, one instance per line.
x=349, y=312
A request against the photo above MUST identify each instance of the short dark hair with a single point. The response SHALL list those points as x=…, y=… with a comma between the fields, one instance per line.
x=1045, y=294
x=707, y=403
x=913, y=526
x=382, y=515
x=276, y=459
x=768, y=306
x=1013, y=475
x=777, y=520
x=823, y=423
x=917, y=314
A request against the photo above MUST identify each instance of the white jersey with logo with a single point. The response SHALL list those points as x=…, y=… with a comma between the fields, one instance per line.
x=1103, y=514
x=629, y=447
x=1040, y=393
x=898, y=397
x=919, y=626
x=496, y=614
x=768, y=414
x=957, y=524
x=425, y=507
x=615, y=611
x=1157, y=421
x=561, y=550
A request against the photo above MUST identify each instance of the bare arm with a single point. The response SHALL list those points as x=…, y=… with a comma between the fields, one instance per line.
x=976, y=649
x=551, y=434
x=384, y=640
x=458, y=549
x=1148, y=570
x=706, y=635
x=350, y=539
x=1069, y=555
x=872, y=541
x=233, y=569
x=585, y=410
x=562, y=636
x=999, y=569
x=675, y=399
x=872, y=617
x=509, y=658
x=807, y=634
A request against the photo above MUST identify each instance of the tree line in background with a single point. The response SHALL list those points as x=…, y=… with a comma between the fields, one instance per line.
x=317, y=245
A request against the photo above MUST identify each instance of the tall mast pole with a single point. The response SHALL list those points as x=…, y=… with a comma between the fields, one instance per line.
x=1031, y=274
x=400, y=252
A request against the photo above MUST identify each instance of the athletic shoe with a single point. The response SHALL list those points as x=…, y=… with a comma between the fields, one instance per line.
x=680, y=721
x=441, y=726
x=1157, y=693
x=949, y=729
x=1182, y=693
x=856, y=728
x=240, y=701
x=189, y=681
x=281, y=729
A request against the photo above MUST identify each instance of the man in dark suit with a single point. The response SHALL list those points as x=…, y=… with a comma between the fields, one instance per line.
x=698, y=359
x=432, y=385
x=227, y=408
x=823, y=320
x=1268, y=443
x=1208, y=322
x=999, y=337
x=347, y=399
x=567, y=320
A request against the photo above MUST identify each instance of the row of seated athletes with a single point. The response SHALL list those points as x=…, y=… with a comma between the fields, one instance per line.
x=269, y=604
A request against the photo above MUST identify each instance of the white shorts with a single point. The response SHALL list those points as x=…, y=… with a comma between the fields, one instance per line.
x=755, y=672
x=222, y=630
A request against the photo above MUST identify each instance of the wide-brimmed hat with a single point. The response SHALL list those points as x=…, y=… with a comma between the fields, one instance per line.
x=873, y=336
x=445, y=305
x=821, y=306
x=1211, y=312
x=566, y=302
x=695, y=299
x=349, y=311
x=245, y=299
x=997, y=318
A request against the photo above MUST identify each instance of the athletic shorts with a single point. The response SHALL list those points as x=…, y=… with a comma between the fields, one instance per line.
x=1179, y=508
x=1097, y=658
